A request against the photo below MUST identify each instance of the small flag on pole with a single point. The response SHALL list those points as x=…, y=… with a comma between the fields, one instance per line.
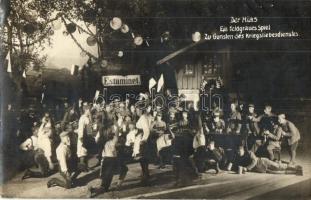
x=73, y=69
x=96, y=95
x=152, y=83
x=24, y=74
x=8, y=58
x=160, y=83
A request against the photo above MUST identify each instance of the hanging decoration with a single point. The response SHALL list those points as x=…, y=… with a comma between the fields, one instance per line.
x=124, y=28
x=91, y=41
x=138, y=40
x=120, y=54
x=115, y=23
x=196, y=37
x=8, y=58
x=71, y=28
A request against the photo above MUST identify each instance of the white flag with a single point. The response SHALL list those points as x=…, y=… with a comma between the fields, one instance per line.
x=152, y=83
x=24, y=74
x=73, y=69
x=96, y=95
x=8, y=57
x=160, y=83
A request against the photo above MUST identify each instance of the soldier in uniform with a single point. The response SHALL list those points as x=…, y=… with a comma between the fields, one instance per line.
x=182, y=150
x=234, y=121
x=252, y=130
x=158, y=127
x=291, y=132
x=248, y=161
x=143, y=125
x=274, y=138
x=234, y=125
x=109, y=163
x=217, y=125
x=215, y=157
x=84, y=128
x=265, y=122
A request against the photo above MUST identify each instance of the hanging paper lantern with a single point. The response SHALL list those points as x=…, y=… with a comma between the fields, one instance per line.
x=91, y=41
x=115, y=23
x=138, y=40
x=196, y=37
x=29, y=28
x=71, y=28
x=57, y=24
x=125, y=28
x=120, y=54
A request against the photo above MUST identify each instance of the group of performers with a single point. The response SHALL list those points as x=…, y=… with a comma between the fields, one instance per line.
x=192, y=141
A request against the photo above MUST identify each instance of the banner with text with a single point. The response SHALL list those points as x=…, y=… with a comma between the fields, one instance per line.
x=118, y=80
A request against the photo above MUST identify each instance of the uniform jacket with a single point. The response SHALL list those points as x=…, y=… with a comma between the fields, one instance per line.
x=291, y=131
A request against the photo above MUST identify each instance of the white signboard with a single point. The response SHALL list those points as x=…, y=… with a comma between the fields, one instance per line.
x=117, y=80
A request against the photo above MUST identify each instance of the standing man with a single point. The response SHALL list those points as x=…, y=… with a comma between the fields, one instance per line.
x=234, y=121
x=291, y=132
x=252, y=129
x=109, y=163
x=83, y=128
x=143, y=125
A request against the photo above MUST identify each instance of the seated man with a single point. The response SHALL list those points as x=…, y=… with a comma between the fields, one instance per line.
x=248, y=161
x=66, y=163
x=215, y=157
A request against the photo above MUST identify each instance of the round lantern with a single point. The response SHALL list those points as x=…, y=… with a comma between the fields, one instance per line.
x=115, y=23
x=124, y=28
x=196, y=37
x=71, y=28
x=91, y=41
x=138, y=40
x=120, y=54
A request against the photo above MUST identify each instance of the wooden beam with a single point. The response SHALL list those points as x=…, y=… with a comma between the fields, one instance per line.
x=180, y=51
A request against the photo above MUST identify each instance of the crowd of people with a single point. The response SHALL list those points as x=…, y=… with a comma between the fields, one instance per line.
x=193, y=142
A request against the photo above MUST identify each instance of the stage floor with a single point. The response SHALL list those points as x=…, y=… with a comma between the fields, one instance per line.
x=222, y=186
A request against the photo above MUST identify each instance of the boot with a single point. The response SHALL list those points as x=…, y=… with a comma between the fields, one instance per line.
x=27, y=174
x=299, y=170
